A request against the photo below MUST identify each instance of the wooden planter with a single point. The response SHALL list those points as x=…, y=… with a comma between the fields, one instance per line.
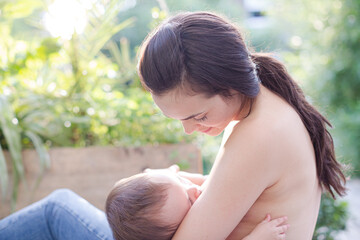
x=91, y=172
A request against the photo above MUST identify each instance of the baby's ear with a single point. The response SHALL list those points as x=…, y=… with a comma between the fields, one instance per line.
x=198, y=193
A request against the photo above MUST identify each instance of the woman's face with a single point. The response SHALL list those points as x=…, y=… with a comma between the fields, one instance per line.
x=181, y=195
x=199, y=113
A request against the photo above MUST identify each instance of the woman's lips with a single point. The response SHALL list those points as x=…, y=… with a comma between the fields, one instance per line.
x=207, y=130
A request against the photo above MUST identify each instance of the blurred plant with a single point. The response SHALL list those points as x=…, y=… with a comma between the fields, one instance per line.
x=12, y=136
x=146, y=20
x=324, y=56
x=75, y=91
x=332, y=218
x=12, y=53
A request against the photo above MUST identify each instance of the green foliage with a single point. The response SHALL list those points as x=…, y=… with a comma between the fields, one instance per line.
x=72, y=92
x=332, y=218
x=4, y=178
x=159, y=9
x=342, y=81
x=325, y=58
x=11, y=133
x=229, y=8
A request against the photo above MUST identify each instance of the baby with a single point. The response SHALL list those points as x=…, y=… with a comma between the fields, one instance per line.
x=151, y=205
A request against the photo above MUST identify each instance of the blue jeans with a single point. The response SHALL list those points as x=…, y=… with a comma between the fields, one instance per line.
x=63, y=215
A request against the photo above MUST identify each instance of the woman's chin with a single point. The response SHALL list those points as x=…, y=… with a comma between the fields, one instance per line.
x=213, y=132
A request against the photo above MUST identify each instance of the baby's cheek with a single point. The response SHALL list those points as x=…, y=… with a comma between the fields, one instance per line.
x=178, y=213
x=185, y=210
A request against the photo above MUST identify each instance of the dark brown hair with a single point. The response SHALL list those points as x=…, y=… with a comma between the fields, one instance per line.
x=133, y=210
x=207, y=53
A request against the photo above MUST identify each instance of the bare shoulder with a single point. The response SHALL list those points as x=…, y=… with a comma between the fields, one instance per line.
x=265, y=134
x=252, y=148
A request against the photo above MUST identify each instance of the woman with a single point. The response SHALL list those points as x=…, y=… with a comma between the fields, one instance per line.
x=276, y=155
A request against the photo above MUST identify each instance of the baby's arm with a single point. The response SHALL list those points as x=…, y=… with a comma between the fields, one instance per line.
x=269, y=229
x=195, y=178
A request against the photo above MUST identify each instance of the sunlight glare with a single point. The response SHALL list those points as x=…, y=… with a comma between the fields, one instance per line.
x=65, y=17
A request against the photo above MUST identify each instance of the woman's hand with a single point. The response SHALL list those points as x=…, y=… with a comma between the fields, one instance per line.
x=268, y=229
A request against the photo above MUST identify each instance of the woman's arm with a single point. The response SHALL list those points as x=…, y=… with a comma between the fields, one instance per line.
x=242, y=171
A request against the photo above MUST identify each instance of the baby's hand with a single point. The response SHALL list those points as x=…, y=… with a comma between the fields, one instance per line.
x=269, y=229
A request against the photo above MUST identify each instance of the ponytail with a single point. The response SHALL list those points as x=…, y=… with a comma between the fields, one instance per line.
x=208, y=53
x=274, y=76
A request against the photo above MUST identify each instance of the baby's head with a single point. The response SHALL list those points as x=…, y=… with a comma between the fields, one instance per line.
x=149, y=205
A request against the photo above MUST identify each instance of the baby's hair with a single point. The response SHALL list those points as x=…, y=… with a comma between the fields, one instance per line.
x=133, y=209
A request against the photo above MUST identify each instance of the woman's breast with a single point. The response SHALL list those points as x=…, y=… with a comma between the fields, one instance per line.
x=296, y=195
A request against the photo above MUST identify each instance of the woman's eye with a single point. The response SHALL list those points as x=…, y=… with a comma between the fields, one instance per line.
x=201, y=119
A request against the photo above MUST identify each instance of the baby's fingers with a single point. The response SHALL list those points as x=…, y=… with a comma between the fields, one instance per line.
x=278, y=221
x=282, y=229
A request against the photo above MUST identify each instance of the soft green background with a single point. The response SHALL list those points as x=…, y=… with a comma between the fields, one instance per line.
x=85, y=91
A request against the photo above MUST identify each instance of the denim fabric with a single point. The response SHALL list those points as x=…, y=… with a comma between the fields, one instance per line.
x=63, y=215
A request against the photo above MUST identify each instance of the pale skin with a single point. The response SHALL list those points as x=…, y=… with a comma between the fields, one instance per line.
x=266, y=164
x=185, y=188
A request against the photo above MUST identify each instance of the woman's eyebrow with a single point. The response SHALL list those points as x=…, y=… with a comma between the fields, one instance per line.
x=192, y=116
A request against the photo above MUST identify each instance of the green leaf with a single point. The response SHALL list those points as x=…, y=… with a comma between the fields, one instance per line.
x=104, y=34
x=40, y=149
x=20, y=8
x=12, y=136
x=4, y=178
x=14, y=192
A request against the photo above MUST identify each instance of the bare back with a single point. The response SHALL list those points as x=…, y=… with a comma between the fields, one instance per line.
x=296, y=192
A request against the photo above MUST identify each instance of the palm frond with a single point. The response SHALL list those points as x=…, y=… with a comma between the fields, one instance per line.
x=103, y=34
x=11, y=133
x=4, y=178
x=40, y=148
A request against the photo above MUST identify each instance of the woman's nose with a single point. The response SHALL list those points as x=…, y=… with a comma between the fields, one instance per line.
x=189, y=127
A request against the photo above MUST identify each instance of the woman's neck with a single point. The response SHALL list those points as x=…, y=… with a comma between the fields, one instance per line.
x=248, y=107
